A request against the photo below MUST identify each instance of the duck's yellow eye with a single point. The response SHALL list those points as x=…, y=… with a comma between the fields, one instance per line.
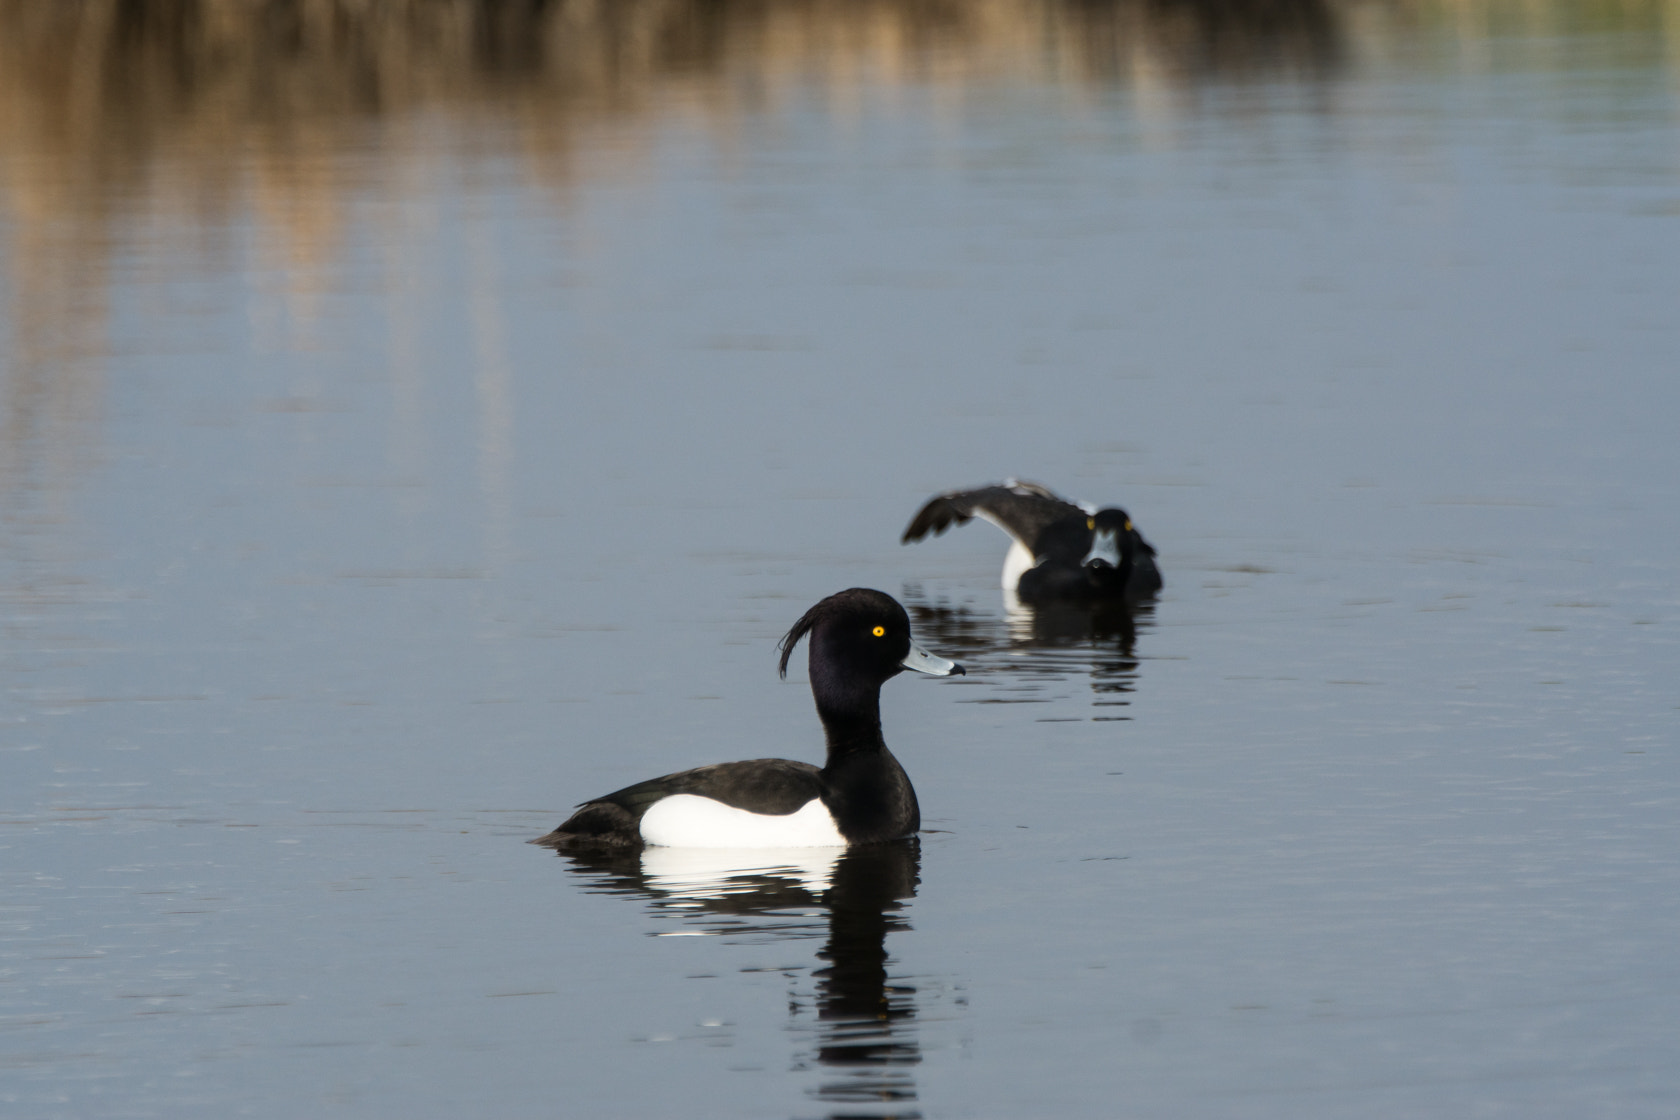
x=1090, y=523
x=879, y=631
x=1128, y=526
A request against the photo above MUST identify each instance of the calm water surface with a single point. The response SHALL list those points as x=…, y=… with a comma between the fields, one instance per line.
x=410, y=432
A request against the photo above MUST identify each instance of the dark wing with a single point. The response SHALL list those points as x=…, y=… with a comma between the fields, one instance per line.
x=1021, y=509
x=763, y=785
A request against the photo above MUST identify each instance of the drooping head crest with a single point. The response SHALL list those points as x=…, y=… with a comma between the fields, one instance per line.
x=880, y=610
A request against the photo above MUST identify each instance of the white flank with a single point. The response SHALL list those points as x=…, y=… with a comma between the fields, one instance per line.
x=718, y=872
x=1017, y=564
x=1020, y=558
x=685, y=820
x=987, y=515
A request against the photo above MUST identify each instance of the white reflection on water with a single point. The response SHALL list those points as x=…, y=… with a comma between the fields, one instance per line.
x=716, y=872
x=863, y=1038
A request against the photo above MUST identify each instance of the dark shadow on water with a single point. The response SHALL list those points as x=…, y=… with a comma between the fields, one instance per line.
x=865, y=1033
x=1021, y=652
x=863, y=1039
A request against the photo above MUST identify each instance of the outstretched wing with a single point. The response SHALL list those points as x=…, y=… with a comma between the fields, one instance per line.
x=1021, y=509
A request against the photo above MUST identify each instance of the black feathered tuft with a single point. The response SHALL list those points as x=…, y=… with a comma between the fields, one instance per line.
x=791, y=638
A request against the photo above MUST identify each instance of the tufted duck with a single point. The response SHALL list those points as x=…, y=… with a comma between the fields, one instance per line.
x=859, y=639
x=1061, y=552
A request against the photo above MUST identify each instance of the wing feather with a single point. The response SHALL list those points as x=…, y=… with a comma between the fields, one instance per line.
x=1021, y=509
x=764, y=785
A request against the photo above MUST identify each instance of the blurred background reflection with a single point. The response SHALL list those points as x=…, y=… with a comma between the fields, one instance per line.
x=417, y=413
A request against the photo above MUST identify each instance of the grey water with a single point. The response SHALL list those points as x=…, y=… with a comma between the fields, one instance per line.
x=410, y=428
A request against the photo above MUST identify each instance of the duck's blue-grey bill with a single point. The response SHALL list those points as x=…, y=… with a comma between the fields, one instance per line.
x=922, y=661
x=1105, y=547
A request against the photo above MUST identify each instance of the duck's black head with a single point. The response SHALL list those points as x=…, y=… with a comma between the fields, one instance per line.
x=859, y=639
x=1113, y=519
x=1113, y=540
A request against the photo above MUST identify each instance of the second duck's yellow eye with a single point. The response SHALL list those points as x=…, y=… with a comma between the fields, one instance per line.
x=1090, y=523
x=879, y=631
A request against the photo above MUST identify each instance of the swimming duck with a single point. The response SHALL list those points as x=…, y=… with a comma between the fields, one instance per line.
x=1062, y=552
x=858, y=640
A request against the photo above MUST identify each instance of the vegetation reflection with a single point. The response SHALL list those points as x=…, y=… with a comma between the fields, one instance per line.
x=204, y=130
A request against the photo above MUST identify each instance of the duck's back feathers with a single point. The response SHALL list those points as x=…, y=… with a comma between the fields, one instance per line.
x=1024, y=510
x=762, y=785
x=772, y=786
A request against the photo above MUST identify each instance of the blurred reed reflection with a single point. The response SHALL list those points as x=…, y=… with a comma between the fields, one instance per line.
x=100, y=93
x=864, y=1036
x=118, y=114
x=1023, y=652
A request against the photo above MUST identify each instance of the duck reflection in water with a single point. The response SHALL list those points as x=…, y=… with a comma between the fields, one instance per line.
x=1028, y=648
x=865, y=1034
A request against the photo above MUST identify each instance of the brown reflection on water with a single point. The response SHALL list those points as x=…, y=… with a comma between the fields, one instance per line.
x=178, y=120
x=165, y=133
